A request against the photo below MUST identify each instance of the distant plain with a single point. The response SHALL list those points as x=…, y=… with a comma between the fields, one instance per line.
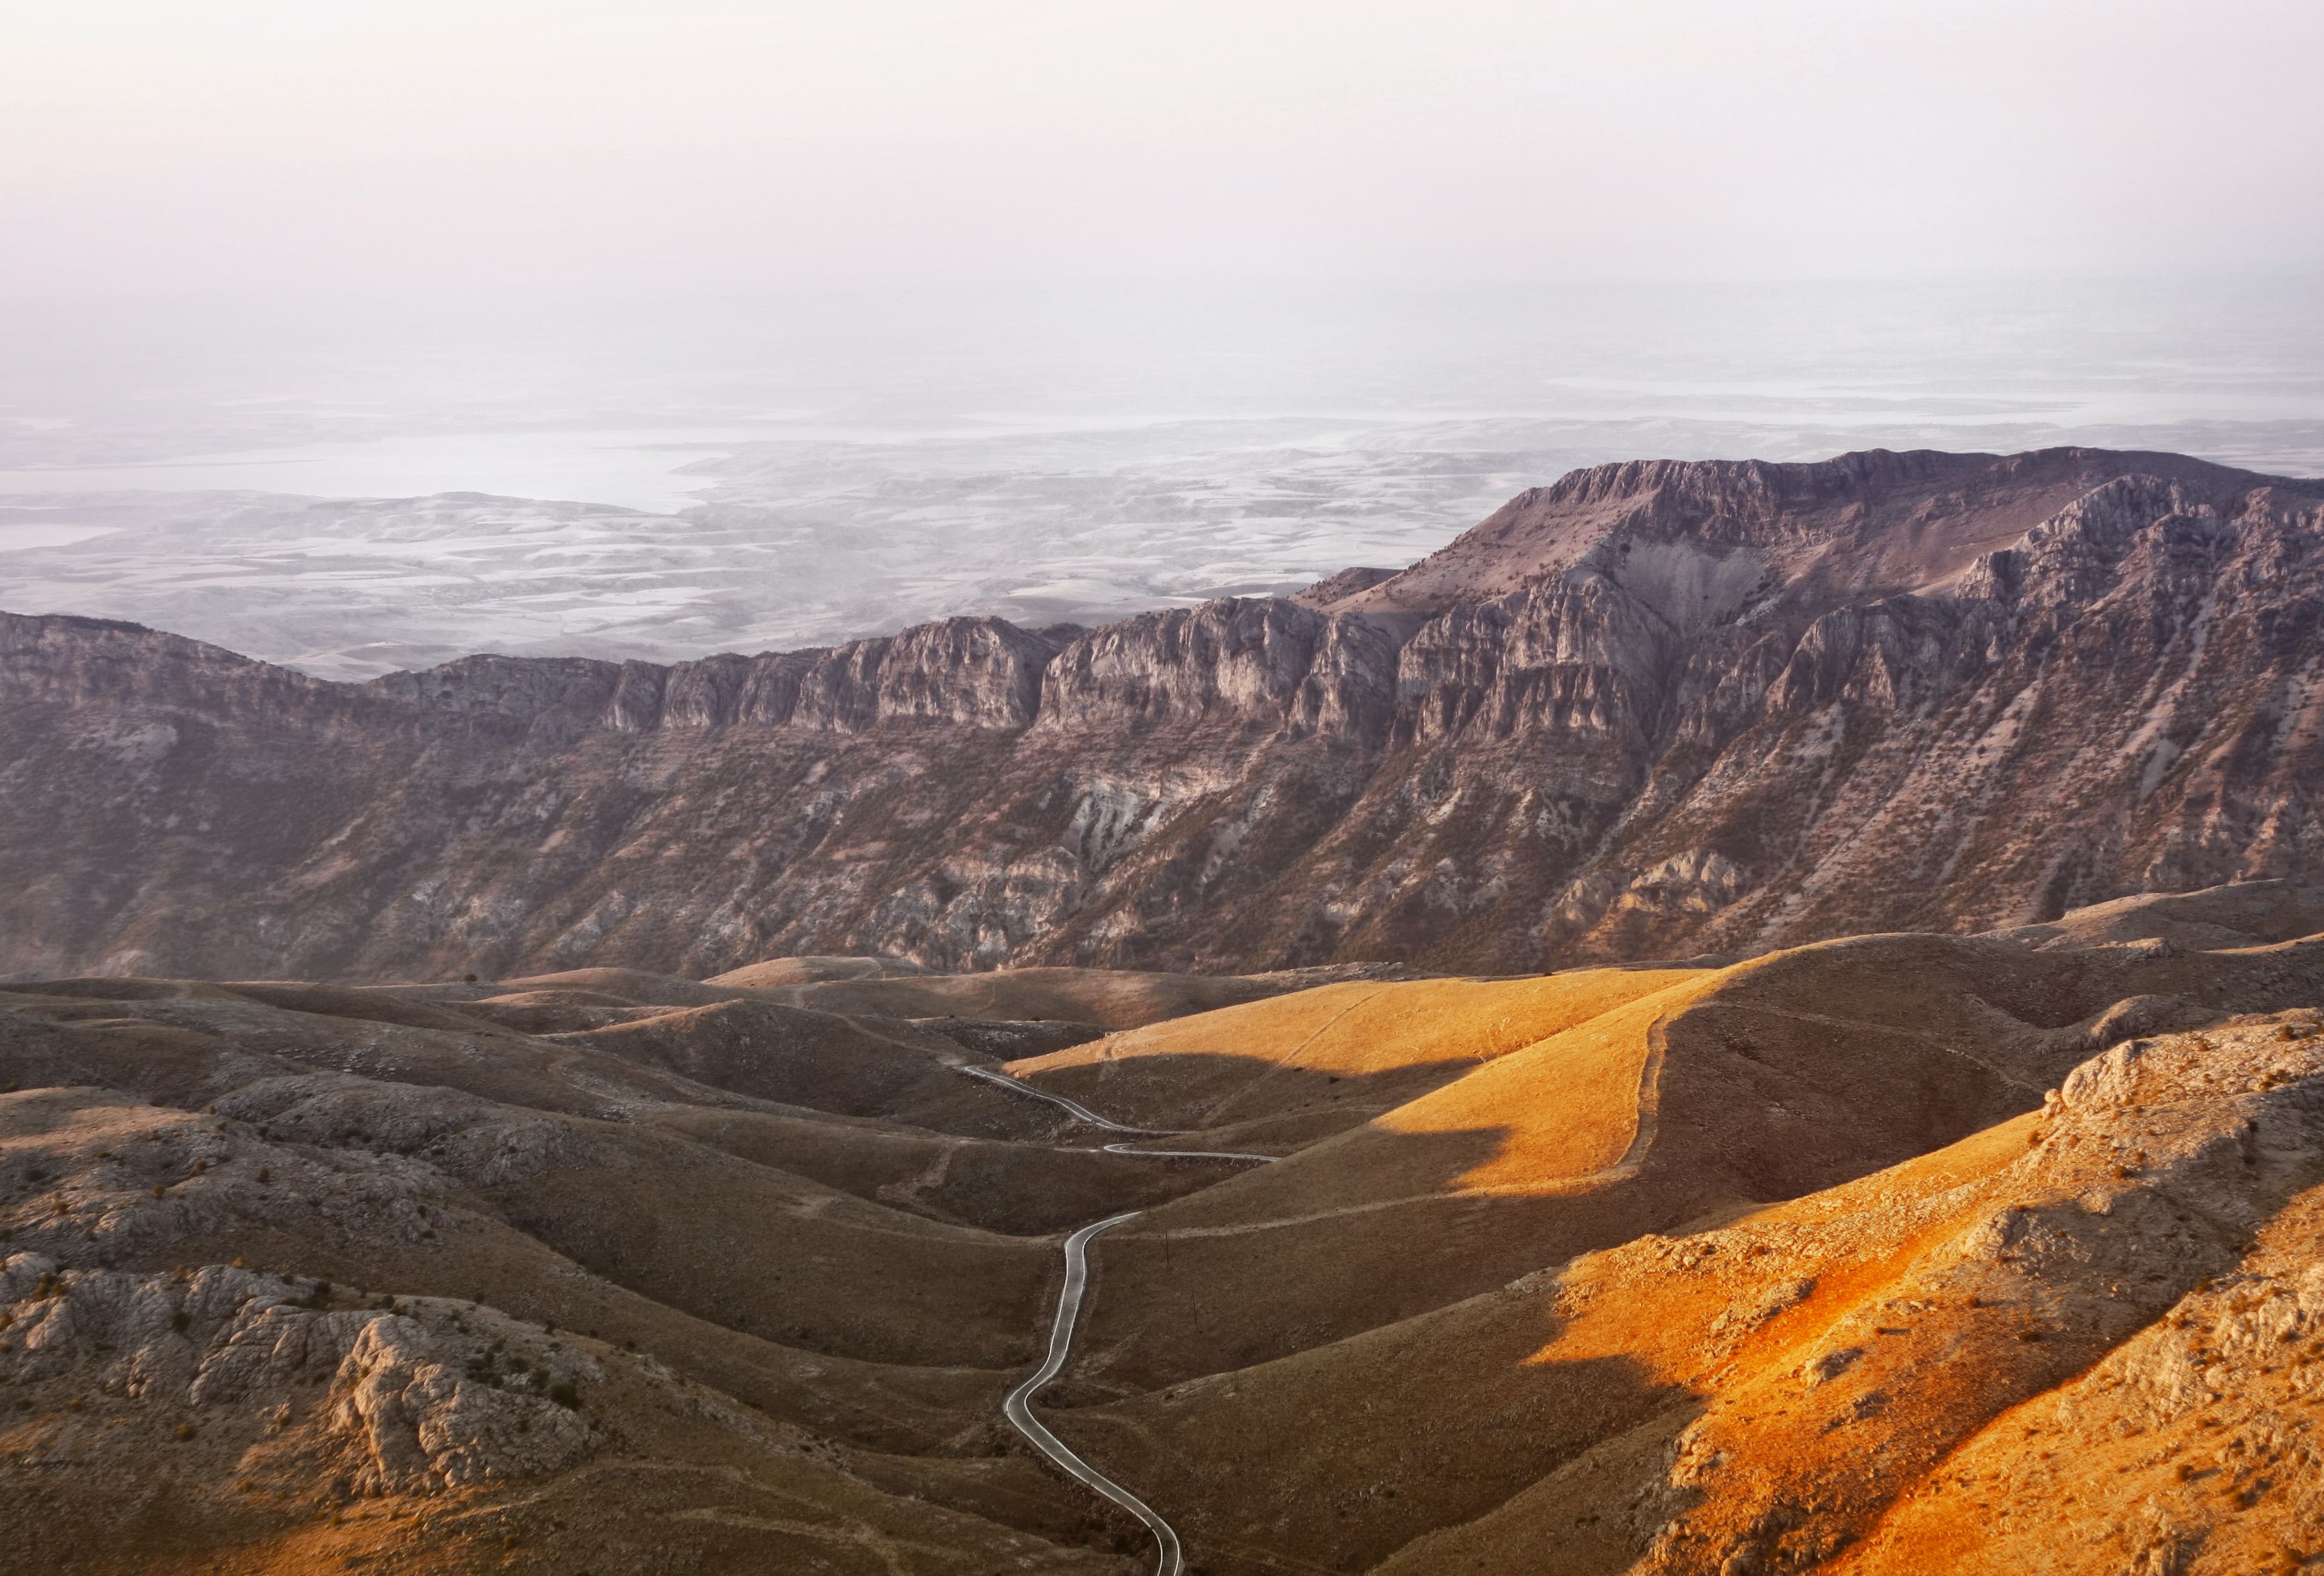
x=660, y=482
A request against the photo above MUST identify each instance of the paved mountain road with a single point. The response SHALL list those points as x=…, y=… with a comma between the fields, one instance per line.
x=1189, y=1154
x=1075, y=1106
x=1018, y=1405
x=1019, y=1410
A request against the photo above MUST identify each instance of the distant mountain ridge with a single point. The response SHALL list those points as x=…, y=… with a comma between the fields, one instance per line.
x=1656, y=708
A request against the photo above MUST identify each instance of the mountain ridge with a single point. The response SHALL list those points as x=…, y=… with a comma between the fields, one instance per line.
x=1691, y=706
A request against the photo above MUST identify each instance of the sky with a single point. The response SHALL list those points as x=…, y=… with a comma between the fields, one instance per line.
x=160, y=146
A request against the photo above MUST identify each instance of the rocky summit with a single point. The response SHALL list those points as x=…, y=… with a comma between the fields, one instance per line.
x=1654, y=710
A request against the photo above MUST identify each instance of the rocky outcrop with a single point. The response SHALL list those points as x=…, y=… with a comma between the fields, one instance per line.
x=1655, y=709
x=983, y=672
x=421, y=1407
x=1269, y=665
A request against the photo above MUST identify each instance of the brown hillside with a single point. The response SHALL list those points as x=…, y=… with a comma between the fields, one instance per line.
x=1898, y=1253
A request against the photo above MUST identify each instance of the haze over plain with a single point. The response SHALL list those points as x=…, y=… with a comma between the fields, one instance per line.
x=1059, y=314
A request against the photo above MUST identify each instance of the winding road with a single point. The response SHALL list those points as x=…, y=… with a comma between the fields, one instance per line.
x=1075, y=1106
x=1018, y=1405
x=1019, y=1410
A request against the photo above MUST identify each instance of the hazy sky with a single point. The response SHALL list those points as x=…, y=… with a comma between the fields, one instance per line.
x=571, y=145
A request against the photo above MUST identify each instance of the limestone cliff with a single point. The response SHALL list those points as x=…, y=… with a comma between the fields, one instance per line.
x=1654, y=709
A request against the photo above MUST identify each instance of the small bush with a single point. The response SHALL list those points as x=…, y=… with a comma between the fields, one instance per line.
x=563, y=1392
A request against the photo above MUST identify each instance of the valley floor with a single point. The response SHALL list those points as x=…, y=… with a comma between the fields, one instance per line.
x=1897, y=1253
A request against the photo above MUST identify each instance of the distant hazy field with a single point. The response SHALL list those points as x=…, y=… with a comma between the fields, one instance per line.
x=741, y=476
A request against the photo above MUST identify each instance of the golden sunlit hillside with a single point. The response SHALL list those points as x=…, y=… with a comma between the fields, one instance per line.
x=1801, y=1262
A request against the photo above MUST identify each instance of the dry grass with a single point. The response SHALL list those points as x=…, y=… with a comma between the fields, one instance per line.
x=1602, y=1271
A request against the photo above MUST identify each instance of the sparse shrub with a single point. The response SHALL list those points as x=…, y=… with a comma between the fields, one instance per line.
x=563, y=1392
x=185, y=1430
x=179, y=1319
x=160, y=1191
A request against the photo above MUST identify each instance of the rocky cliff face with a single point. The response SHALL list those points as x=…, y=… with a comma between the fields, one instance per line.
x=1655, y=709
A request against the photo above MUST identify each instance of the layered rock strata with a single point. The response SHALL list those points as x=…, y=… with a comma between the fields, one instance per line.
x=1655, y=709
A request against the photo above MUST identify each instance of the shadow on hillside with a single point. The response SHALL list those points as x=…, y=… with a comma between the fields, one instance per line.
x=1346, y=1454
x=1252, y=1271
x=1369, y=1224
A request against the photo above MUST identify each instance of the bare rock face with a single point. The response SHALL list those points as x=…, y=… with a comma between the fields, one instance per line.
x=421, y=1407
x=1268, y=668
x=983, y=672
x=1654, y=709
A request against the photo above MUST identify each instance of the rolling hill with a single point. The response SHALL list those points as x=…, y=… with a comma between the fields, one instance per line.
x=1901, y=1252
